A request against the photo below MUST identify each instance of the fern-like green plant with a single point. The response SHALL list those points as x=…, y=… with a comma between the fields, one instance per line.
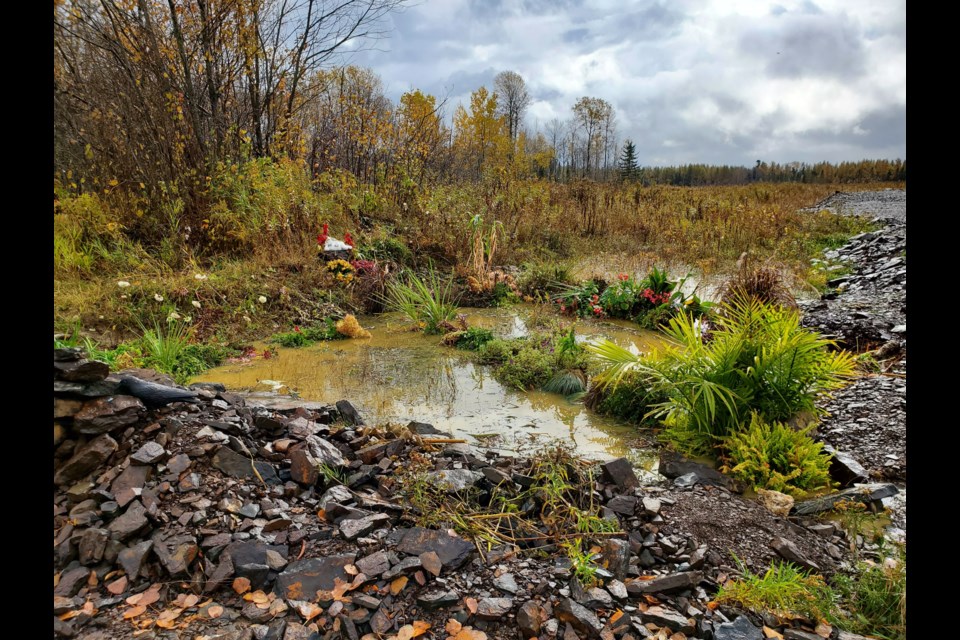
x=774, y=456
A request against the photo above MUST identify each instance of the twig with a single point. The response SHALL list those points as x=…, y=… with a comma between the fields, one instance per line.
x=443, y=441
x=303, y=548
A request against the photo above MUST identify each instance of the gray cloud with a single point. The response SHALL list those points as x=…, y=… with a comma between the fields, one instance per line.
x=698, y=81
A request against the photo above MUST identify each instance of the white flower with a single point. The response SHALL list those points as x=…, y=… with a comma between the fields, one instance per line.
x=188, y=319
x=123, y=284
x=199, y=276
x=173, y=316
x=158, y=297
x=196, y=303
x=262, y=299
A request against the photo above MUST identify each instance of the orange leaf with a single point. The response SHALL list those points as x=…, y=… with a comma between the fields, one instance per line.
x=616, y=616
x=650, y=599
x=133, y=612
x=351, y=570
x=470, y=634
x=471, y=603
x=712, y=605
x=420, y=627
x=397, y=585
x=405, y=632
x=241, y=585
x=215, y=611
x=453, y=626
x=92, y=579
x=118, y=586
x=190, y=601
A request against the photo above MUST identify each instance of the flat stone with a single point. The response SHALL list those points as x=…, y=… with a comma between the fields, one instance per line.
x=349, y=413
x=366, y=601
x=621, y=473
x=624, y=505
x=178, y=463
x=337, y=494
x=176, y=553
x=85, y=460
x=797, y=634
x=249, y=510
x=372, y=453
x=302, y=428
x=739, y=629
x=374, y=565
x=302, y=579
x=617, y=589
x=407, y=565
x=65, y=407
x=666, y=617
x=71, y=581
x=581, y=618
x=149, y=453
x=787, y=550
x=455, y=480
x=452, y=551
x=353, y=529
x=506, y=582
x=324, y=452
x=671, y=583
x=81, y=370
x=651, y=506
x=129, y=484
x=102, y=415
x=495, y=476
x=494, y=608
x=132, y=558
x=529, y=619
x=93, y=542
x=108, y=387
x=238, y=466
x=302, y=468
x=844, y=469
x=133, y=521
x=424, y=429
x=675, y=466
x=431, y=562
x=616, y=554
x=438, y=598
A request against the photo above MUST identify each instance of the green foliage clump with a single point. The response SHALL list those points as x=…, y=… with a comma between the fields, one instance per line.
x=474, y=338
x=533, y=361
x=386, y=249
x=782, y=590
x=758, y=358
x=542, y=279
x=427, y=302
x=774, y=456
x=874, y=600
x=307, y=336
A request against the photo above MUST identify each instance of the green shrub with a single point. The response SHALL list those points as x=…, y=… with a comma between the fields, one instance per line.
x=541, y=279
x=474, y=338
x=774, y=456
x=874, y=599
x=552, y=361
x=427, y=302
x=528, y=368
x=387, y=248
x=631, y=400
x=759, y=359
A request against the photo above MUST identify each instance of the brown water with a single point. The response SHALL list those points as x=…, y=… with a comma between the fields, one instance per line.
x=399, y=375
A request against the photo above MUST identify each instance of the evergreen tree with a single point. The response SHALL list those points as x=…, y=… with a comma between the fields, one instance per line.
x=629, y=170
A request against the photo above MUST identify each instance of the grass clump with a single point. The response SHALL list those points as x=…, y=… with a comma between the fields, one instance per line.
x=427, y=302
x=304, y=337
x=473, y=338
x=551, y=361
x=874, y=600
x=783, y=590
x=757, y=282
x=774, y=456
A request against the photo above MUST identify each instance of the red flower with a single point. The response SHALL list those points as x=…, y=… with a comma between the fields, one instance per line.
x=296, y=328
x=348, y=239
x=623, y=277
x=266, y=354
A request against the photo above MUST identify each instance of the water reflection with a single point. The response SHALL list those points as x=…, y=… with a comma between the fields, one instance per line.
x=398, y=375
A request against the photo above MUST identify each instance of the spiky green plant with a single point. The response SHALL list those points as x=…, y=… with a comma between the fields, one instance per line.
x=758, y=358
x=428, y=302
x=163, y=346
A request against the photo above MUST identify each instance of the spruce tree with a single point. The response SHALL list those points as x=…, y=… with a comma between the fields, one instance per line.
x=629, y=170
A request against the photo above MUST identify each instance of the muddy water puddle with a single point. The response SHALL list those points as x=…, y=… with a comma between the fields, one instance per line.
x=398, y=375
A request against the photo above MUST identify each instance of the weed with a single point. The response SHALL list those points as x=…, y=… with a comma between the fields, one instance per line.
x=163, y=347
x=874, y=599
x=782, y=590
x=474, y=338
x=757, y=282
x=304, y=337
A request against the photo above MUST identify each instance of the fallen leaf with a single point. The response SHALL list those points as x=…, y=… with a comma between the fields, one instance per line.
x=145, y=623
x=307, y=610
x=712, y=605
x=118, y=586
x=215, y=611
x=650, y=599
x=470, y=634
x=452, y=627
x=405, y=632
x=397, y=585
x=191, y=601
x=678, y=636
x=70, y=614
x=88, y=608
x=823, y=630
x=471, y=604
x=257, y=597
x=322, y=514
x=337, y=593
x=616, y=616
x=241, y=585
x=772, y=634
x=351, y=570
x=133, y=612
x=278, y=607
x=420, y=627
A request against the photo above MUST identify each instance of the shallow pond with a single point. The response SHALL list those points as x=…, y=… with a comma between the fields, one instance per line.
x=399, y=375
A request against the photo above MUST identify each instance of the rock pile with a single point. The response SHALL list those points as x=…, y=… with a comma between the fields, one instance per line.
x=225, y=519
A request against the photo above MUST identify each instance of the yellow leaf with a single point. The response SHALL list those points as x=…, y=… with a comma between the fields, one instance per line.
x=241, y=585
x=420, y=627
x=397, y=585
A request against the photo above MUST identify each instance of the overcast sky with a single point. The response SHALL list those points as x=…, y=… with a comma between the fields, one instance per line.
x=711, y=81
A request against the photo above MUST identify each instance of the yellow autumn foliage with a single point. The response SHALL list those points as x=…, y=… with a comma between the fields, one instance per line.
x=351, y=328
